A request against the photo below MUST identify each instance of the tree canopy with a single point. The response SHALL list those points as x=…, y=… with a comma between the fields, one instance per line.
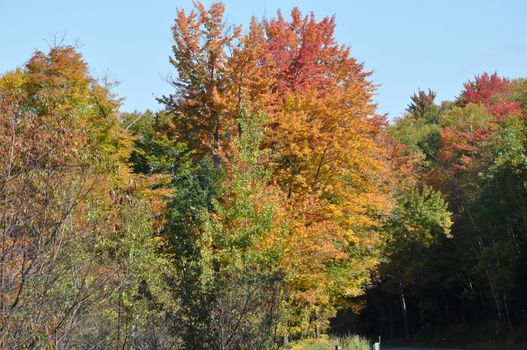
x=265, y=202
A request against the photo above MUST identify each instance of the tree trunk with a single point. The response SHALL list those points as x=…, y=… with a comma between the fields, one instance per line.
x=404, y=311
x=317, y=328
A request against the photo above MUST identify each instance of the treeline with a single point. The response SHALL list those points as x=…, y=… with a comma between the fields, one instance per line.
x=265, y=196
x=474, y=151
x=79, y=261
x=277, y=173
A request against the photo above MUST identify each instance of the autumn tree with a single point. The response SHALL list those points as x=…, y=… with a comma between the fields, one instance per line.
x=420, y=102
x=247, y=236
x=323, y=133
x=490, y=91
x=201, y=58
x=328, y=160
x=471, y=151
x=71, y=228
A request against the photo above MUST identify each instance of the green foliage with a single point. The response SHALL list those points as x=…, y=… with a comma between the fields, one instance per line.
x=418, y=136
x=420, y=220
x=195, y=189
x=468, y=118
x=156, y=149
x=508, y=150
x=246, y=215
x=227, y=273
x=420, y=216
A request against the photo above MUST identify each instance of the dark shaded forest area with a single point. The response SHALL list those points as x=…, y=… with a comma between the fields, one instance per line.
x=472, y=150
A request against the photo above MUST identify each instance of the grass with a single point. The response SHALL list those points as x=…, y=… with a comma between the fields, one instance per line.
x=328, y=343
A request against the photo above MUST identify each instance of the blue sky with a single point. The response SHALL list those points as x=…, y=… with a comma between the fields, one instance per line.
x=408, y=44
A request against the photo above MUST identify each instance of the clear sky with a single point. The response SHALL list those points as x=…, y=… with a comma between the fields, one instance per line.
x=408, y=44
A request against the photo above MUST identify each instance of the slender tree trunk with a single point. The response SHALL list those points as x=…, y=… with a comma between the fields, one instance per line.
x=404, y=311
x=506, y=309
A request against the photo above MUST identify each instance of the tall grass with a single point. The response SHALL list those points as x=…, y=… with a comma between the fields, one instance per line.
x=328, y=343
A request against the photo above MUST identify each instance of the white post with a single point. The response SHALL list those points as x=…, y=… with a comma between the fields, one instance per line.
x=377, y=346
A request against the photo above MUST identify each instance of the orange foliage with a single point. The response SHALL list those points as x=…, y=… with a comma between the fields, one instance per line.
x=323, y=132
